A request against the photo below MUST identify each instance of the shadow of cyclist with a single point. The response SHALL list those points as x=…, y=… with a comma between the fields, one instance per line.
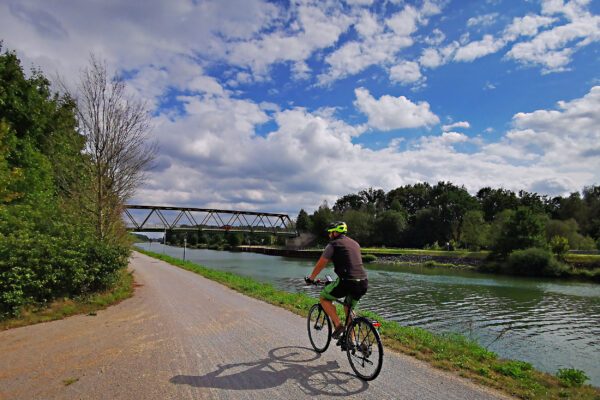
x=281, y=365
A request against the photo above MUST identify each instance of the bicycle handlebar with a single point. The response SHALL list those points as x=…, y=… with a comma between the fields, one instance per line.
x=318, y=282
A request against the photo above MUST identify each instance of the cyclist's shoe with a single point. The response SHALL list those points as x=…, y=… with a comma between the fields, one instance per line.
x=338, y=332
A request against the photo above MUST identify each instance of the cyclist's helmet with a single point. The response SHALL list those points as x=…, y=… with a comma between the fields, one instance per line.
x=338, y=226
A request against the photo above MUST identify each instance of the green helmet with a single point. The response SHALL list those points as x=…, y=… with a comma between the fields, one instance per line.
x=338, y=226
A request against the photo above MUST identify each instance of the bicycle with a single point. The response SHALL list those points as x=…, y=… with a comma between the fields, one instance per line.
x=360, y=339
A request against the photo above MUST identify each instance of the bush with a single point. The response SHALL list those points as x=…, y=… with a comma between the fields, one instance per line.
x=369, y=258
x=533, y=262
x=516, y=369
x=45, y=257
x=571, y=377
x=559, y=246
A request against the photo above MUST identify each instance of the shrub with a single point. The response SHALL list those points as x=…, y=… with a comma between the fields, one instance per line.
x=516, y=369
x=533, y=262
x=369, y=258
x=571, y=377
x=559, y=246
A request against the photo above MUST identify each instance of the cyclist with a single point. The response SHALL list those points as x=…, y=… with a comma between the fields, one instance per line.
x=352, y=280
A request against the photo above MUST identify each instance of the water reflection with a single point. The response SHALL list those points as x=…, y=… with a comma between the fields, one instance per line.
x=552, y=324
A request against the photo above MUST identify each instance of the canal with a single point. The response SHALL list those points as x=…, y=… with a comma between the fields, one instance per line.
x=549, y=323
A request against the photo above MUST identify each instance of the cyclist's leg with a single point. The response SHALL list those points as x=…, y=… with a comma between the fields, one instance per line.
x=329, y=294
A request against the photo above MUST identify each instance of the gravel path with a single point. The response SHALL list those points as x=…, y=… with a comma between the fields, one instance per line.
x=184, y=337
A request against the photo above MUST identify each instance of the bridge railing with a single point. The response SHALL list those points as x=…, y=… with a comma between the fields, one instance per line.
x=140, y=218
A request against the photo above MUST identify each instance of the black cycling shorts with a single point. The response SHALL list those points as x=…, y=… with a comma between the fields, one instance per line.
x=351, y=289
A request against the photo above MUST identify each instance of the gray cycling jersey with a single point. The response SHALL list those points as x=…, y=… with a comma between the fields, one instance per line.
x=346, y=257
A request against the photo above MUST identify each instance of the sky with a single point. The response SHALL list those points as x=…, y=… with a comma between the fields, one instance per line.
x=275, y=106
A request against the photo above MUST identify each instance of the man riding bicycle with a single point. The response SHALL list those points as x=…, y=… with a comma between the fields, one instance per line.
x=352, y=279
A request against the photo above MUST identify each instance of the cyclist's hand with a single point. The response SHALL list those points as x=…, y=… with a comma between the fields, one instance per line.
x=308, y=280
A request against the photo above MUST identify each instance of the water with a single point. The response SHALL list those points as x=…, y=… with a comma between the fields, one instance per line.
x=551, y=324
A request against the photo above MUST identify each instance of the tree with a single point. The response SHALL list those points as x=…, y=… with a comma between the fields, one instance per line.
x=389, y=228
x=523, y=229
x=116, y=129
x=360, y=225
x=475, y=232
x=412, y=198
x=373, y=198
x=321, y=218
x=494, y=201
x=303, y=223
x=348, y=202
x=452, y=202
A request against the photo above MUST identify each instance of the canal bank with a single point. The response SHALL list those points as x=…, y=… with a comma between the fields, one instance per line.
x=382, y=258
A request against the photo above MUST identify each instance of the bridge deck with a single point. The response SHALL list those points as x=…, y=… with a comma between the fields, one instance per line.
x=143, y=218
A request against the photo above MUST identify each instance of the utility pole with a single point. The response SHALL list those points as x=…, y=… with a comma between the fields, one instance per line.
x=184, y=245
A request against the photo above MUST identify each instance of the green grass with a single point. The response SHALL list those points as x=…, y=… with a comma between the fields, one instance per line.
x=420, y=252
x=450, y=352
x=63, y=308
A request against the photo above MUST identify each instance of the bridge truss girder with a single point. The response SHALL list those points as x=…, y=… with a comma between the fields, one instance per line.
x=160, y=218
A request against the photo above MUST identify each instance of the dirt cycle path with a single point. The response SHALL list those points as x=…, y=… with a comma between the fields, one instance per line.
x=185, y=337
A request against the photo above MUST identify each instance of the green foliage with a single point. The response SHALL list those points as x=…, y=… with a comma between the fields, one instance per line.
x=360, y=225
x=515, y=369
x=321, y=218
x=533, y=262
x=559, y=247
x=369, y=258
x=47, y=248
x=303, y=223
x=233, y=238
x=571, y=377
x=389, y=228
x=569, y=229
x=475, y=231
x=523, y=229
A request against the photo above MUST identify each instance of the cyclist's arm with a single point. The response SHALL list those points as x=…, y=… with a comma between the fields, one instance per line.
x=322, y=263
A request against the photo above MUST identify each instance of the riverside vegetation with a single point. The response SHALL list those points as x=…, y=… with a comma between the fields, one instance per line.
x=59, y=242
x=450, y=352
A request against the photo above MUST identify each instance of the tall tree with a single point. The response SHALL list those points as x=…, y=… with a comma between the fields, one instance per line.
x=303, y=223
x=494, y=201
x=116, y=127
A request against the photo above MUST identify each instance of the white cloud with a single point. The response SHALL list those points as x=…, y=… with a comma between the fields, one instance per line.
x=435, y=38
x=553, y=49
x=477, y=49
x=379, y=43
x=317, y=27
x=389, y=113
x=482, y=20
x=460, y=124
x=406, y=72
x=559, y=138
x=528, y=25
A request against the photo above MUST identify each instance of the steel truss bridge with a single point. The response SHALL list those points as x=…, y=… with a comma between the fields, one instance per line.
x=159, y=219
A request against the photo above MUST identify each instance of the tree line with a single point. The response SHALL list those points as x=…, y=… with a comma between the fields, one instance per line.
x=446, y=215
x=68, y=161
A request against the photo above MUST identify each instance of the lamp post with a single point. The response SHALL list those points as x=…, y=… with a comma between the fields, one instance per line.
x=184, y=245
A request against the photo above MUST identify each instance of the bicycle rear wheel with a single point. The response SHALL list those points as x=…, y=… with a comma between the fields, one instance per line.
x=364, y=349
x=319, y=328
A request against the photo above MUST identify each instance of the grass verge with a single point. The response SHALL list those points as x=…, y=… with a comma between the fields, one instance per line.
x=449, y=352
x=63, y=308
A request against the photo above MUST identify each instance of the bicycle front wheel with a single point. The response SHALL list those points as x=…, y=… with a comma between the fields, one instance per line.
x=319, y=328
x=364, y=349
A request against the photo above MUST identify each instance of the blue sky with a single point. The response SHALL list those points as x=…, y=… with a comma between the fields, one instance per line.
x=277, y=106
